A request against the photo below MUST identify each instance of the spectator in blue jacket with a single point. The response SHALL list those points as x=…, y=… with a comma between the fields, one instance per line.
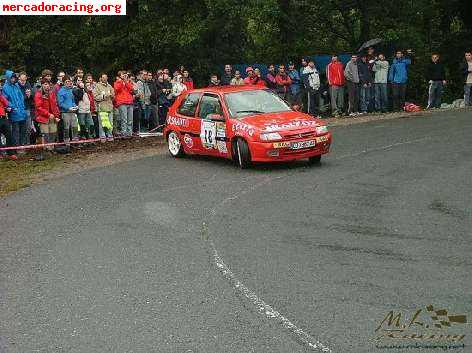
x=17, y=115
x=68, y=108
x=295, y=87
x=398, y=76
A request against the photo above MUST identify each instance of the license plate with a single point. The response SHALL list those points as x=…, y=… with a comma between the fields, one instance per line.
x=322, y=139
x=302, y=144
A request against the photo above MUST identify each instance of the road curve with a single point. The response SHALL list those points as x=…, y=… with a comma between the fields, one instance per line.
x=195, y=255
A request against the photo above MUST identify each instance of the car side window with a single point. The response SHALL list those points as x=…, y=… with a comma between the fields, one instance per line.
x=189, y=104
x=210, y=104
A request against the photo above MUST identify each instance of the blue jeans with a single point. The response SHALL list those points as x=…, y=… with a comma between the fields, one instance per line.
x=126, y=117
x=381, y=97
x=468, y=94
x=365, y=94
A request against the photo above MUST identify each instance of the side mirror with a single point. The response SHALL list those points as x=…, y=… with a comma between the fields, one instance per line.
x=216, y=117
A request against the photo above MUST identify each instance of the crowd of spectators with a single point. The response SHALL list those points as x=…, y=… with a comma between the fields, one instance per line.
x=81, y=107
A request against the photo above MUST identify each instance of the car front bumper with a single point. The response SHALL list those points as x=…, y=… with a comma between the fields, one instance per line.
x=273, y=152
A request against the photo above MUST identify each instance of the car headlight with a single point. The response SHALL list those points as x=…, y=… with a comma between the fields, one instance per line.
x=321, y=130
x=270, y=136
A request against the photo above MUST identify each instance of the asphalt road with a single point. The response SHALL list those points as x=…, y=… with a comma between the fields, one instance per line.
x=195, y=255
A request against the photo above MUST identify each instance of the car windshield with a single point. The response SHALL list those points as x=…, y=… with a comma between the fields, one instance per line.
x=241, y=104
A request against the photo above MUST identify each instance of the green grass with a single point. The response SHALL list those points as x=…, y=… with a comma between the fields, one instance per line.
x=16, y=175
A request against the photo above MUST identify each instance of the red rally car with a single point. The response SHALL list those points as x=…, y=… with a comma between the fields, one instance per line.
x=243, y=123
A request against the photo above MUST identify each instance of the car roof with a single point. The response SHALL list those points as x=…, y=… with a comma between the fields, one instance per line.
x=227, y=89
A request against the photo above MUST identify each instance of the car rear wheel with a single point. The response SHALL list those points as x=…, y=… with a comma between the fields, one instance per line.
x=242, y=154
x=314, y=160
x=173, y=143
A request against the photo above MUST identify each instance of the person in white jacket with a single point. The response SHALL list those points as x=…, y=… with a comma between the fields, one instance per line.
x=178, y=87
x=380, y=69
x=311, y=81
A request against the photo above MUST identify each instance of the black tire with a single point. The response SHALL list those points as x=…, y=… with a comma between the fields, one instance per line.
x=314, y=160
x=242, y=153
x=174, y=145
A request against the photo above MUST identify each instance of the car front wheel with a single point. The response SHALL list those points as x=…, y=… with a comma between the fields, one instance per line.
x=242, y=154
x=314, y=160
x=175, y=147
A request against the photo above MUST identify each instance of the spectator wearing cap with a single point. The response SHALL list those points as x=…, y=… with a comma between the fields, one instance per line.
x=5, y=127
x=47, y=113
x=237, y=80
x=227, y=76
x=12, y=92
x=254, y=77
x=296, y=84
x=335, y=77
x=27, y=90
x=283, y=83
x=68, y=109
x=249, y=80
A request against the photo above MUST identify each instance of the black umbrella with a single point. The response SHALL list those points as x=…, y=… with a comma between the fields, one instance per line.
x=370, y=43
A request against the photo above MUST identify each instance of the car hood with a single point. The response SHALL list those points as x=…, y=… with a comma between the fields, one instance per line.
x=282, y=121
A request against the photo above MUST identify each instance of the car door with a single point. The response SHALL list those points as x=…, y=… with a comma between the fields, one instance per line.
x=213, y=137
x=188, y=122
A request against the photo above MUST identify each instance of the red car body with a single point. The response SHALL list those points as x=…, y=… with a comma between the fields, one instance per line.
x=218, y=133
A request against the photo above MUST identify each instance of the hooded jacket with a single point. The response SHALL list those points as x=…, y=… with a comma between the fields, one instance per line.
x=14, y=95
x=45, y=104
x=65, y=99
x=335, y=74
x=399, y=71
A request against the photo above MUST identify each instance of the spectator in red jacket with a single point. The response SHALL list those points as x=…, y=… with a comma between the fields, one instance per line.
x=335, y=76
x=124, y=101
x=5, y=127
x=283, y=82
x=47, y=112
x=187, y=80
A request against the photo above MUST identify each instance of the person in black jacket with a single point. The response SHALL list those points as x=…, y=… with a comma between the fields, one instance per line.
x=436, y=75
x=164, y=88
x=365, y=84
x=466, y=72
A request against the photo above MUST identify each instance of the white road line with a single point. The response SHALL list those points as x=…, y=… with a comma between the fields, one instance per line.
x=256, y=302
